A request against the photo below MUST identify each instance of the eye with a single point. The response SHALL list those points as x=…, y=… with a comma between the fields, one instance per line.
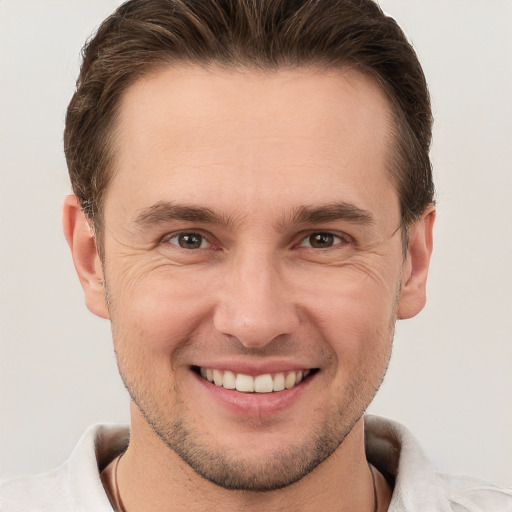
x=322, y=240
x=189, y=241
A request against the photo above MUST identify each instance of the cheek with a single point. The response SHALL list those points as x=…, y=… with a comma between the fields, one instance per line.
x=150, y=324
x=356, y=313
x=359, y=330
x=354, y=326
x=158, y=310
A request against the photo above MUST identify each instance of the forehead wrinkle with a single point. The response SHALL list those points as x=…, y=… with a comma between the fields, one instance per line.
x=168, y=211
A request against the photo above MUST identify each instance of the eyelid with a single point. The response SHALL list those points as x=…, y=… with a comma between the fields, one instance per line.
x=166, y=239
x=343, y=237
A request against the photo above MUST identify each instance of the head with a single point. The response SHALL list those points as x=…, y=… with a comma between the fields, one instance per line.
x=256, y=176
x=268, y=35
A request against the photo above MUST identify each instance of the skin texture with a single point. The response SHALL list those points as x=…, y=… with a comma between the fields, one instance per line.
x=252, y=165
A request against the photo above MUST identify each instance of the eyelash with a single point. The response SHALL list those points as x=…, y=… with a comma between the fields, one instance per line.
x=176, y=236
x=342, y=239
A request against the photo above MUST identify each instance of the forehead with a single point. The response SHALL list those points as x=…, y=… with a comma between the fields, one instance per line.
x=293, y=136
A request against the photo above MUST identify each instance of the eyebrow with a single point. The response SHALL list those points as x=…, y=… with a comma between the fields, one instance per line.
x=164, y=211
x=332, y=212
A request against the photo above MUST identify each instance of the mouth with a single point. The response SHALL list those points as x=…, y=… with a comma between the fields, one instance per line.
x=264, y=383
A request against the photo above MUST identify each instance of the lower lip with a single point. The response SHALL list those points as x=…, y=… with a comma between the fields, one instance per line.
x=256, y=405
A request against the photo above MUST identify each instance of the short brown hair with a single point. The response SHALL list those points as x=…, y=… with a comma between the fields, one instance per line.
x=253, y=34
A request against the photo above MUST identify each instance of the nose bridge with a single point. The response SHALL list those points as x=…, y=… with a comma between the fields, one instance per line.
x=255, y=306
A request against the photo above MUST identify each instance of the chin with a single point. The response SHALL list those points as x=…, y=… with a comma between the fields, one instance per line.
x=238, y=467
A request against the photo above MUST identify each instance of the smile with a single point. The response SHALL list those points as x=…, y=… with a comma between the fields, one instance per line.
x=265, y=383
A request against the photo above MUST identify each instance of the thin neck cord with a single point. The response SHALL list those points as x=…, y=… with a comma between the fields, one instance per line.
x=375, y=494
x=120, y=507
x=117, y=496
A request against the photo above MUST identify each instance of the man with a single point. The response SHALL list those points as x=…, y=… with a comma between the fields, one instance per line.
x=253, y=211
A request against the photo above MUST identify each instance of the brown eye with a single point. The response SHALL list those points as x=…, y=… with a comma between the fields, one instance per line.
x=189, y=241
x=321, y=240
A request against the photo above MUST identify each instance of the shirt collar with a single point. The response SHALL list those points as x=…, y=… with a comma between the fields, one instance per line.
x=393, y=450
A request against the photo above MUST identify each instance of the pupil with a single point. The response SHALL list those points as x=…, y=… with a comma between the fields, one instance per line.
x=321, y=240
x=190, y=241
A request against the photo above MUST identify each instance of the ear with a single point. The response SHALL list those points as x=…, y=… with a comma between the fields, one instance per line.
x=415, y=267
x=82, y=243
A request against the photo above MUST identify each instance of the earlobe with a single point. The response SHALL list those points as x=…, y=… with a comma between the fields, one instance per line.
x=81, y=241
x=415, y=268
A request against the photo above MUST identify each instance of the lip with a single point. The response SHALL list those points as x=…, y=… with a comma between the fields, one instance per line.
x=253, y=405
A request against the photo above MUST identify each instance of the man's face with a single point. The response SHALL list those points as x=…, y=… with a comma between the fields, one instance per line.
x=251, y=236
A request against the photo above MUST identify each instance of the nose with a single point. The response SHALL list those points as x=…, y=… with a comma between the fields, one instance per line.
x=255, y=306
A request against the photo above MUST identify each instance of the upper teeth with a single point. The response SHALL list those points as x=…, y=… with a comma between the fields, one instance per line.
x=265, y=383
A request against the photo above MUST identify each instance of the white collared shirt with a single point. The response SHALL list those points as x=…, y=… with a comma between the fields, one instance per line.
x=418, y=487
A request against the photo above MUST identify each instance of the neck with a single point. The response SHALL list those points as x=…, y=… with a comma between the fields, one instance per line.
x=153, y=477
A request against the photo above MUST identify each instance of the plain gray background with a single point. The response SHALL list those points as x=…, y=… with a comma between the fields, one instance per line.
x=450, y=380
